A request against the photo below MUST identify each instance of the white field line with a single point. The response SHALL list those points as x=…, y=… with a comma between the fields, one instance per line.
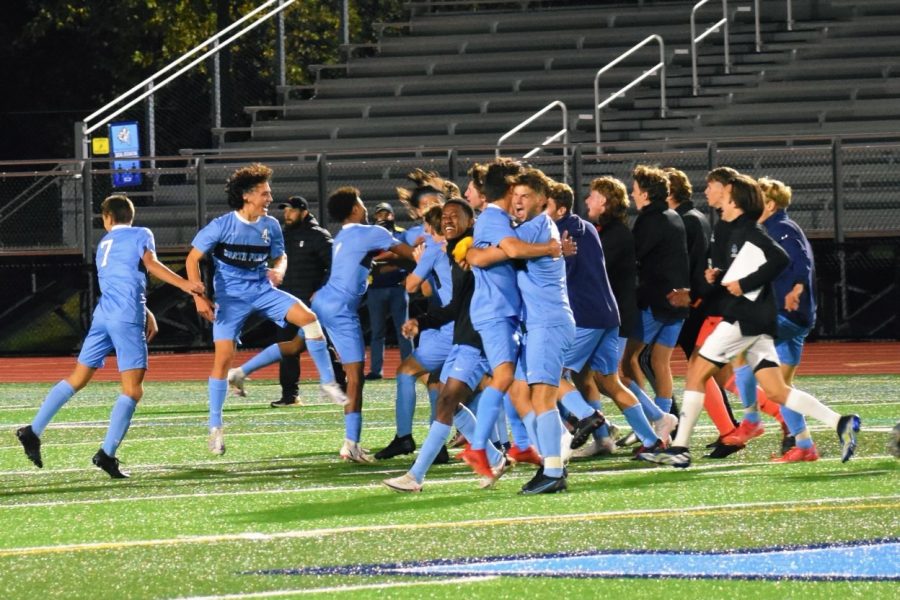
x=714, y=470
x=772, y=506
x=345, y=588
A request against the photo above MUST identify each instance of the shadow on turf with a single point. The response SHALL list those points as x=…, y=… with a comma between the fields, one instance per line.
x=371, y=505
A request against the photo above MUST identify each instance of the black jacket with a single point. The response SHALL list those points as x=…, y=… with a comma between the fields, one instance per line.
x=660, y=246
x=457, y=310
x=621, y=268
x=755, y=317
x=308, y=249
x=698, y=232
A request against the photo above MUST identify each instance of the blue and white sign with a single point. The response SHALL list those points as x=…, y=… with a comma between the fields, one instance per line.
x=124, y=143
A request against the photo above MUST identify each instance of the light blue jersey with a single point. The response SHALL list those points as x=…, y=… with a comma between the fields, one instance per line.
x=415, y=232
x=351, y=260
x=543, y=282
x=434, y=266
x=496, y=295
x=240, y=249
x=120, y=270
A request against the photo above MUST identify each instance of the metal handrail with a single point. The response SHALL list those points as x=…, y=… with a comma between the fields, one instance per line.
x=152, y=85
x=564, y=132
x=661, y=65
x=711, y=29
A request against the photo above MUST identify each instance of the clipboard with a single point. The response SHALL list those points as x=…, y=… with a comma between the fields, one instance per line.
x=748, y=260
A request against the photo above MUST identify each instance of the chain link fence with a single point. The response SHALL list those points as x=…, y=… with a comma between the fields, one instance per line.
x=47, y=209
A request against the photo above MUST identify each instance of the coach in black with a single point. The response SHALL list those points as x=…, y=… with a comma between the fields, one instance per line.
x=308, y=249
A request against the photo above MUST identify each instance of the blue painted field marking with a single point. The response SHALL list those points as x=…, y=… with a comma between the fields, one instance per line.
x=868, y=560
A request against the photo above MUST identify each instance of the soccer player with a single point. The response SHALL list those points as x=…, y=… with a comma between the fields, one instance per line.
x=596, y=345
x=355, y=246
x=549, y=323
x=308, y=250
x=795, y=296
x=241, y=244
x=496, y=304
x=661, y=252
x=747, y=327
x=466, y=365
x=121, y=322
x=434, y=344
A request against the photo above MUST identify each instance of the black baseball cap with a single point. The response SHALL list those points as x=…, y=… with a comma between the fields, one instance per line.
x=298, y=202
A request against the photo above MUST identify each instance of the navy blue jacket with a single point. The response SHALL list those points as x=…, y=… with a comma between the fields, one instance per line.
x=802, y=268
x=590, y=294
x=621, y=269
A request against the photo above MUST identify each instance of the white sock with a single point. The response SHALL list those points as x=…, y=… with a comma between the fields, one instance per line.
x=691, y=406
x=808, y=406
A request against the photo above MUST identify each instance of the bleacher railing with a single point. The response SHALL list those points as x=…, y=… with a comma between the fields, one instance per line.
x=563, y=132
x=658, y=67
x=696, y=39
x=145, y=90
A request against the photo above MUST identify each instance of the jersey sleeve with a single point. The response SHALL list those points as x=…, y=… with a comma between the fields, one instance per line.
x=380, y=238
x=497, y=228
x=426, y=263
x=207, y=238
x=533, y=230
x=147, y=242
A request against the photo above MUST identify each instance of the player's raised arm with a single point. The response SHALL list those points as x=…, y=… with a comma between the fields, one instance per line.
x=167, y=275
x=205, y=308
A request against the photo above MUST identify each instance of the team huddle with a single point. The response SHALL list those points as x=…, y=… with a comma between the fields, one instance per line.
x=533, y=315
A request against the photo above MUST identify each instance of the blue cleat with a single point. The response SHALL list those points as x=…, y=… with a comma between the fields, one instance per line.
x=847, y=428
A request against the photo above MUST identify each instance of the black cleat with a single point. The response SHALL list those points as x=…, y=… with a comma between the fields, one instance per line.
x=398, y=446
x=373, y=376
x=286, y=402
x=108, y=463
x=443, y=457
x=32, y=445
x=542, y=484
x=723, y=450
x=787, y=442
x=584, y=428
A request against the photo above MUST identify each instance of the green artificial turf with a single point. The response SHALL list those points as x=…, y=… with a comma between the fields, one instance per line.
x=191, y=524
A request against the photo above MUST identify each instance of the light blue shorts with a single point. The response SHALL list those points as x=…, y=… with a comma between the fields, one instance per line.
x=129, y=340
x=500, y=338
x=341, y=322
x=789, y=341
x=233, y=309
x=465, y=363
x=541, y=361
x=434, y=347
x=650, y=330
x=608, y=353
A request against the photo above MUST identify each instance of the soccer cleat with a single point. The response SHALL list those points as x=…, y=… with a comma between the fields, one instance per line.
x=236, y=379
x=584, y=428
x=457, y=441
x=722, y=450
x=398, y=446
x=542, y=484
x=216, y=440
x=847, y=428
x=286, y=402
x=787, y=442
x=676, y=456
x=373, y=376
x=743, y=433
x=797, y=454
x=528, y=455
x=496, y=473
x=405, y=483
x=717, y=442
x=442, y=458
x=108, y=463
x=629, y=440
x=354, y=452
x=565, y=447
x=596, y=447
x=657, y=445
x=613, y=430
x=664, y=426
x=333, y=393
x=478, y=461
x=32, y=445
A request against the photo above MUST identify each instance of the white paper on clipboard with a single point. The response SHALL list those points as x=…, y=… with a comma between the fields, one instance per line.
x=749, y=259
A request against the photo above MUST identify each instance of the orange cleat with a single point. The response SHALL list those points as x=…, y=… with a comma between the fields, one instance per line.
x=744, y=432
x=478, y=461
x=528, y=455
x=797, y=454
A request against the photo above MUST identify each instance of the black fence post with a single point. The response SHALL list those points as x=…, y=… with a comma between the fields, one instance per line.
x=452, y=167
x=201, y=192
x=837, y=173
